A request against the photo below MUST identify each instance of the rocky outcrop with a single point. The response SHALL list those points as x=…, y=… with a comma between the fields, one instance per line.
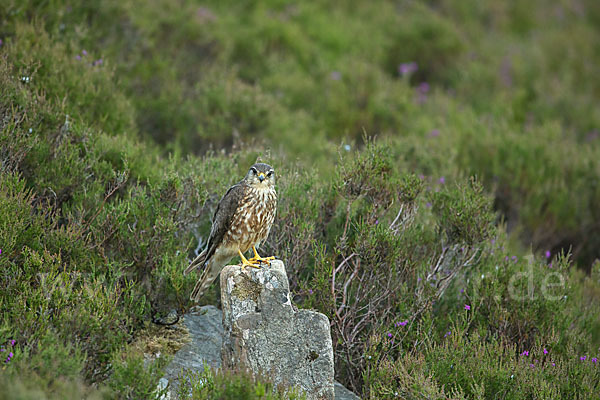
x=259, y=298
x=342, y=393
x=263, y=332
x=205, y=328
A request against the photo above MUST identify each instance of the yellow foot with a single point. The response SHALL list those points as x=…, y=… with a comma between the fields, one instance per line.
x=260, y=259
x=249, y=263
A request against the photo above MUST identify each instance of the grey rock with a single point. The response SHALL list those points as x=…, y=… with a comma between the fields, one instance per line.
x=205, y=327
x=206, y=336
x=341, y=393
x=163, y=384
x=263, y=333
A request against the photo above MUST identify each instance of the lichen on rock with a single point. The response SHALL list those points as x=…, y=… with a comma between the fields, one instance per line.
x=246, y=289
x=264, y=334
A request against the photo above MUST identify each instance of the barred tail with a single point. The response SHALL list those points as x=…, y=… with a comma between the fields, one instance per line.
x=198, y=262
x=206, y=279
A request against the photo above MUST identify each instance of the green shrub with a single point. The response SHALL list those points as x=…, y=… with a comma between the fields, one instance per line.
x=422, y=36
x=103, y=202
x=133, y=377
x=381, y=239
x=508, y=330
x=210, y=384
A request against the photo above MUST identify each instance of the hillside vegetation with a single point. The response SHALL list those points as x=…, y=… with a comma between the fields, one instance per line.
x=438, y=169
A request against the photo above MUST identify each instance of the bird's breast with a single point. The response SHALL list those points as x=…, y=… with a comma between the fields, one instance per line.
x=254, y=217
x=261, y=205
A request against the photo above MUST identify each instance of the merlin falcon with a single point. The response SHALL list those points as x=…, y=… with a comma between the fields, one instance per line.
x=243, y=219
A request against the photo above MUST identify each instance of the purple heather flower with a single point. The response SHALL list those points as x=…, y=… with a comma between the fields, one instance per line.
x=407, y=68
x=98, y=62
x=12, y=342
x=84, y=52
x=204, y=14
x=553, y=364
x=78, y=57
x=594, y=360
x=10, y=355
x=0, y=251
x=467, y=307
x=582, y=358
x=532, y=366
x=376, y=222
x=310, y=291
x=545, y=351
x=423, y=87
x=335, y=75
x=3, y=349
x=422, y=92
x=403, y=323
x=514, y=258
x=548, y=254
x=593, y=135
x=462, y=290
x=389, y=335
x=442, y=180
x=525, y=353
x=448, y=333
x=434, y=133
x=419, y=279
x=421, y=176
x=1, y=42
x=428, y=204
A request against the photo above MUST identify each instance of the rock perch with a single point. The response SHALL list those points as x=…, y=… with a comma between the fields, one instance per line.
x=264, y=334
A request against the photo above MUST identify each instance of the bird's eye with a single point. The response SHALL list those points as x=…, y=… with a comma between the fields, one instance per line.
x=254, y=171
x=270, y=174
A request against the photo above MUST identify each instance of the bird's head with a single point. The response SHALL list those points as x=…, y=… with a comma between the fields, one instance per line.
x=261, y=176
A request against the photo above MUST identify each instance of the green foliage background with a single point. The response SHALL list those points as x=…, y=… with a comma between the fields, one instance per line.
x=123, y=122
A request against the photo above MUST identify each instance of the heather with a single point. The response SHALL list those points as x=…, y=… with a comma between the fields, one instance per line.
x=438, y=172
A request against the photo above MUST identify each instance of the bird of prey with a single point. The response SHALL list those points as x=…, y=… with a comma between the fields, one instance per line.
x=242, y=220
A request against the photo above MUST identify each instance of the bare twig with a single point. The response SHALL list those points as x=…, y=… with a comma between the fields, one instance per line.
x=120, y=181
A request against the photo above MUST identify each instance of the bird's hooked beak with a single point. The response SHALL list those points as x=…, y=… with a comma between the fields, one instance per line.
x=261, y=176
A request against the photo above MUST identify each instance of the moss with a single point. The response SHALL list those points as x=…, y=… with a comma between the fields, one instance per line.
x=166, y=340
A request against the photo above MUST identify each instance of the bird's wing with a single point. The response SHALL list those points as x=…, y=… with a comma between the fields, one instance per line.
x=222, y=218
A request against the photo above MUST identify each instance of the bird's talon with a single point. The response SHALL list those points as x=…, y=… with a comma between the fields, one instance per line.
x=266, y=260
x=248, y=263
x=260, y=259
x=251, y=265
